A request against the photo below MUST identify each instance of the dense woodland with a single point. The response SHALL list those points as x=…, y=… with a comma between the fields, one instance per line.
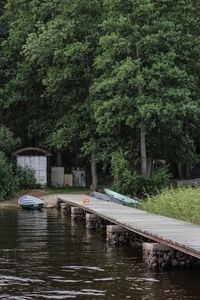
x=115, y=83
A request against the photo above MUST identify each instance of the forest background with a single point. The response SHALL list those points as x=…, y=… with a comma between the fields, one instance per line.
x=113, y=83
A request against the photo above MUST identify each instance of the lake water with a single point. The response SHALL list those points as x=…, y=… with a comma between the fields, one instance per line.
x=46, y=255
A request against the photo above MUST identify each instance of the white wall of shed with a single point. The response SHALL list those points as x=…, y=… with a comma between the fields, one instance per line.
x=38, y=164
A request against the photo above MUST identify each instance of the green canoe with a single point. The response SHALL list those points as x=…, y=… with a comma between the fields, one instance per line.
x=123, y=199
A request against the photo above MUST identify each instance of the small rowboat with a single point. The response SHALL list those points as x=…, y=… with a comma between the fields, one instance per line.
x=30, y=202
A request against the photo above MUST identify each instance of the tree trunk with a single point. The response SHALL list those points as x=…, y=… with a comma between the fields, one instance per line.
x=94, y=185
x=142, y=129
x=188, y=170
x=179, y=164
x=59, y=160
x=143, y=152
x=149, y=167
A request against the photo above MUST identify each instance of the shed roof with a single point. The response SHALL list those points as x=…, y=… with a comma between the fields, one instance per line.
x=32, y=149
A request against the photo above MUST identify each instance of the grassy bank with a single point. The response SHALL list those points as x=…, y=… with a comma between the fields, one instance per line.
x=180, y=203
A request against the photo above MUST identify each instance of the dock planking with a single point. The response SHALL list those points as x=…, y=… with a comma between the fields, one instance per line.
x=180, y=235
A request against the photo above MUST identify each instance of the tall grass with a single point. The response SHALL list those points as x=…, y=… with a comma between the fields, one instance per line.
x=180, y=203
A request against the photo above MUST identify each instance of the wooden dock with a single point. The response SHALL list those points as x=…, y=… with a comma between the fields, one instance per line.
x=180, y=235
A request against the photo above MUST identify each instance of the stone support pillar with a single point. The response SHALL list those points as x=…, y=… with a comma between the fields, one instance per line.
x=77, y=213
x=91, y=221
x=159, y=256
x=117, y=234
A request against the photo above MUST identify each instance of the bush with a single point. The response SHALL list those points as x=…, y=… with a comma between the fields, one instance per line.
x=182, y=203
x=8, y=181
x=126, y=180
x=26, y=178
x=157, y=182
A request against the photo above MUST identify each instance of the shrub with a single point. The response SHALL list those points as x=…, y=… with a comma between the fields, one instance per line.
x=26, y=178
x=126, y=180
x=8, y=181
x=159, y=180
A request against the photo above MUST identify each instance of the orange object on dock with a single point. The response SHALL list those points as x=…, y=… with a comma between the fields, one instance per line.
x=85, y=201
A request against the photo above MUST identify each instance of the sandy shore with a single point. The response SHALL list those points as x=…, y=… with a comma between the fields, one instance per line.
x=50, y=200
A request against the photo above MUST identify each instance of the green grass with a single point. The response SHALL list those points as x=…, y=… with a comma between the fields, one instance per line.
x=180, y=203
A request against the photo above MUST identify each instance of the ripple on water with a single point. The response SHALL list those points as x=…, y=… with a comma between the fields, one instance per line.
x=11, y=297
x=57, y=294
x=104, y=279
x=82, y=268
x=57, y=263
x=10, y=280
x=63, y=279
x=146, y=279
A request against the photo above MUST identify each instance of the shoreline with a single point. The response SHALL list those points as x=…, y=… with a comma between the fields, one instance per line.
x=50, y=200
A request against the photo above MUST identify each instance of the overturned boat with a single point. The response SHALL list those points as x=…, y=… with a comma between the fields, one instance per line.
x=122, y=199
x=112, y=196
x=30, y=202
x=104, y=197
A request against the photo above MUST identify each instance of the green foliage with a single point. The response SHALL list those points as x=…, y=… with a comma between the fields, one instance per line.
x=126, y=180
x=180, y=203
x=7, y=140
x=85, y=76
x=144, y=76
x=26, y=178
x=8, y=181
x=159, y=180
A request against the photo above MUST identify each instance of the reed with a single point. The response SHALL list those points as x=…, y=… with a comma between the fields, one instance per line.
x=182, y=203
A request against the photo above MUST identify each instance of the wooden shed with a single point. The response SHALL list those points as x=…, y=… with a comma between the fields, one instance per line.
x=36, y=159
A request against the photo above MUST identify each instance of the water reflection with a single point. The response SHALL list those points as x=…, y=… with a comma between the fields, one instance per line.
x=32, y=229
x=63, y=260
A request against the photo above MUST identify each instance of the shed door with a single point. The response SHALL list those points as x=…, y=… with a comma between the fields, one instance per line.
x=36, y=163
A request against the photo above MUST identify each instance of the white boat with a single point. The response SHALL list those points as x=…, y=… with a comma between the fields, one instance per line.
x=30, y=202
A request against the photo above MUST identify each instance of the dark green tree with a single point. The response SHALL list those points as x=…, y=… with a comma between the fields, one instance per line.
x=146, y=89
x=52, y=45
x=8, y=142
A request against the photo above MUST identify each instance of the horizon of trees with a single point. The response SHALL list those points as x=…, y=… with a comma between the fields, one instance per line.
x=102, y=77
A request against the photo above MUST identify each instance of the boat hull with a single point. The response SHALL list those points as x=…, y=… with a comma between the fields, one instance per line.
x=30, y=202
x=123, y=199
x=32, y=206
x=105, y=197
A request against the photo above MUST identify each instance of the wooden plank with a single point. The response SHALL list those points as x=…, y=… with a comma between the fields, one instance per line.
x=177, y=234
